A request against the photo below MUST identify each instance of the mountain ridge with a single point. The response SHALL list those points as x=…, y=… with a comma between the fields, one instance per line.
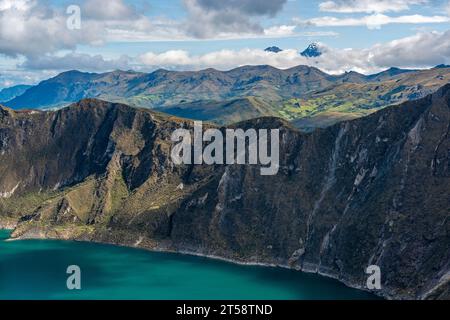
x=9, y=93
x=312, y=51
x=304, y=95
x=75, y=75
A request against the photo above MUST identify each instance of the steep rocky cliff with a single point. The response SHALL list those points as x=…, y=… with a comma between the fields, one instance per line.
x=370, y=191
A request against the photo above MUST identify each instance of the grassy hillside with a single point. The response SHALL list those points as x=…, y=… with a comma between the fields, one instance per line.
x=304, y=95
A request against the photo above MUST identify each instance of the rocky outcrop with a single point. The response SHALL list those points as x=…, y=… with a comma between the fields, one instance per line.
x=373, y=191
x=7, y=224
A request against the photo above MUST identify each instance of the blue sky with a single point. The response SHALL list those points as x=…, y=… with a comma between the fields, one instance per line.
x=361, y=35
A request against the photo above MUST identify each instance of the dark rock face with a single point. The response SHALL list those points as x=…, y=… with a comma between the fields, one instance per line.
x=374, y=191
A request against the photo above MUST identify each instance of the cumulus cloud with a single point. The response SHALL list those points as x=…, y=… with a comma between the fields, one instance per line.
x=434, y=48
x=208, y=18
x=374, y=21
x=280, y=31
x=76, y=61
x=40, y=28
x=368, y=6
x=32, y=28
x=223, y=59
x=28, y=28
x=421, y=50
x=114, y=10
x=14, y=4
x=249, y=7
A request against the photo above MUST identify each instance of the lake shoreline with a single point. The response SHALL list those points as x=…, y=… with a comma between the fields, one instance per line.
x=166, y=248
x=307, y=287
x=8, y=224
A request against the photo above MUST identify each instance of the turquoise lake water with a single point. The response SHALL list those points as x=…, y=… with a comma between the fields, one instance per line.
x=36, y=269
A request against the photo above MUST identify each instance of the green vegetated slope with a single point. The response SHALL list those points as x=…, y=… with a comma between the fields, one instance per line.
x=224, y=112
x=352, y=100
x=304, y=95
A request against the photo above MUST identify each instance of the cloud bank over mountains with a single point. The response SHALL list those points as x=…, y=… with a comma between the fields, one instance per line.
x=434, y=48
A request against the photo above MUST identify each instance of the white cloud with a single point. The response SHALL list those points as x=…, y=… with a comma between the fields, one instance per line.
x=113, y=10
x=368, y=6
x=422, y=50
x=211, y=18
x=14, y=4
x=280, y=31
x=333, y=61
x=223, y=59
x=82, y=62
x=206, y=20
x=374, y=21
x=40, y=28
x=29, y=28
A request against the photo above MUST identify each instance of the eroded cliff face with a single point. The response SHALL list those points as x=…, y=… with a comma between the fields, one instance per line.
x=374, y=191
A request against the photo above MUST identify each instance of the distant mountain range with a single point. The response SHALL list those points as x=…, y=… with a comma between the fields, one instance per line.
x=167, y=88
x=7, y=94
x=304, y=95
